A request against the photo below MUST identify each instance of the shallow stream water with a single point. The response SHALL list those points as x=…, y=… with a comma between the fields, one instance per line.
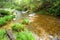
x=44, y=26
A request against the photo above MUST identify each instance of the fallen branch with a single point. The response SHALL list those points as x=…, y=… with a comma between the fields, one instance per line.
x=10, y=34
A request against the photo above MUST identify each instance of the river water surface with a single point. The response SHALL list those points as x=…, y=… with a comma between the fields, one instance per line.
x=44, y=25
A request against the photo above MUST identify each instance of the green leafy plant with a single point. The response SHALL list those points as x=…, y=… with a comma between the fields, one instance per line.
x=3, y=35
x=25, y=35
x=2, y=21
x=5, y=19
x=25, y=21
x=5, y=12
x=17, y=27
x=8, y=18
x=5, y=38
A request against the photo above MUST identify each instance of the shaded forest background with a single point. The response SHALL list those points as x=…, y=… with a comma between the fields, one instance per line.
x=51, y=7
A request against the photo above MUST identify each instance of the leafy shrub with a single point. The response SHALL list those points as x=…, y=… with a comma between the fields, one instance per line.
x=5, y=19
x=3, y=35
x=54, y=10
x=8, y=18
x=5, y=12
x=17, y=27
x=5, y=38
x=2, y=21
x=25, y=21
x=25, y=35
x=50, y=6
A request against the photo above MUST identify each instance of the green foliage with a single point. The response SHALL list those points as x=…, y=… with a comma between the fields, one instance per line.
x=5, y=12
x=30, y=5
x=2, y=22
x=8, y=18
x=5, y=19
x=25, y=35
x=50, y=6
x=6, y=3
x=2, y=34
x=54, y=10
x=17, y=27
x=25, y=21
x=4, y=38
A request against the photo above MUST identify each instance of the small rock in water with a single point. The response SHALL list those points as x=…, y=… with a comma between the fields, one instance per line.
x=23, y=12
x=14, y=14
x=40, y=39
x=50, y=37
x=32, y=14
x=14, y=19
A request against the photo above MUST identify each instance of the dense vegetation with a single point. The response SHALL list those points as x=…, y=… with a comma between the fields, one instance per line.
x=50, y=6
x=19, y=29
x=5, y=17
x=21, y=33
x=3, y=35
x=26, y=35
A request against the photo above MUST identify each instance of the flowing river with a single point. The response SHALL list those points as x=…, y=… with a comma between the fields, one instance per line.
x=45, y=26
